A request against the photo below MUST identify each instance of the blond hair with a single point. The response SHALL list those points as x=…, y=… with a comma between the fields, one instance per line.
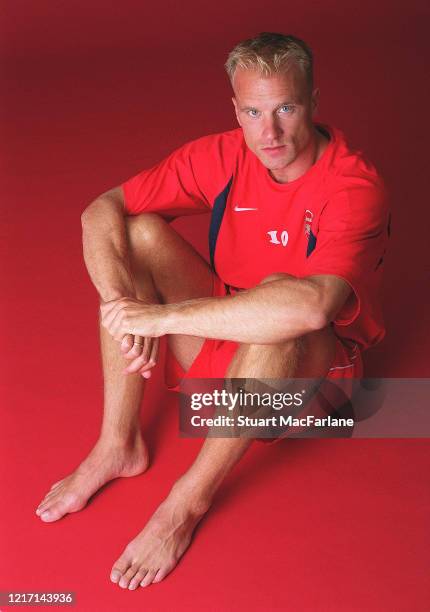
x=270, y=53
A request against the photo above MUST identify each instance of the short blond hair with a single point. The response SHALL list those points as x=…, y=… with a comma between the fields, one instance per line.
x=270, y=53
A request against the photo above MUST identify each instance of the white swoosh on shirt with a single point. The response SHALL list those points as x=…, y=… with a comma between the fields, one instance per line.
x=239, y=209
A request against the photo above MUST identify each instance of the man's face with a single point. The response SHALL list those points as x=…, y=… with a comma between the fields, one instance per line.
x=275, y=114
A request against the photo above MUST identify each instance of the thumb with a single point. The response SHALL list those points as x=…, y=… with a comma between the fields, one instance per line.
x=127, y=343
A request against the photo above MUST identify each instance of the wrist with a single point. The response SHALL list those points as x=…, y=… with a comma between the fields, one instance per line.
x=116, y=293
x=171, y=319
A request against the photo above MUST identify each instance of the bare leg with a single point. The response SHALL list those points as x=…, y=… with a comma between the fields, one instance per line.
x=153, y=554
x=161, y=274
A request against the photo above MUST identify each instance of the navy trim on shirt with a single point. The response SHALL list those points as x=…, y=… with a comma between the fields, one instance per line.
x=312, y=243
x=218, y=210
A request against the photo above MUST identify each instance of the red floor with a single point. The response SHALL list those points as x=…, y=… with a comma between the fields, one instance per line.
x=324, y=525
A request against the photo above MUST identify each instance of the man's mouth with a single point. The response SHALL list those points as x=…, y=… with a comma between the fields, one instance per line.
x=274, y=150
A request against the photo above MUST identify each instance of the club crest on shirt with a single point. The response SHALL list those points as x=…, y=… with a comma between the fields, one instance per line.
x=309, y=215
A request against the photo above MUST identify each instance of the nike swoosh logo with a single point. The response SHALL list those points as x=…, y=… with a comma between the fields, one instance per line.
x=239, y=209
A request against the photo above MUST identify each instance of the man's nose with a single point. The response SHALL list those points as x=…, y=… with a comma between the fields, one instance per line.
x=271, y=129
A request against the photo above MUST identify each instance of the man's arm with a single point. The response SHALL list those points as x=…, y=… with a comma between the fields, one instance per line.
x=272, y=312
x=106, y=255
x=105, y=246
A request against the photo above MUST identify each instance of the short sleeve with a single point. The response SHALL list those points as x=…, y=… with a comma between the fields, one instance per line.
x=351, y=241
x=185, y=182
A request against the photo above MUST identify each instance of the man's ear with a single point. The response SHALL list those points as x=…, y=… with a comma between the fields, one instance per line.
x=315, y=99
x=236, y=110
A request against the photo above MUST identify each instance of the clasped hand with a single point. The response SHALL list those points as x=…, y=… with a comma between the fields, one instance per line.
x=138, y=326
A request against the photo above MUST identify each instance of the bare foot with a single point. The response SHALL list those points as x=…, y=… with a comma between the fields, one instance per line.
x=105, y=462
x=153, y=554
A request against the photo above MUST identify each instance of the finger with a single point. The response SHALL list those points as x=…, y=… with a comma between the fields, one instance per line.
x=136, y=365
x=142, y=360
x=122, y=324
x=108, y=317
x=116, y=328
x=146, y=348
x=155, y=349
x=135, y=348
x=127, y=344
x=107, y=307
x=153, y=358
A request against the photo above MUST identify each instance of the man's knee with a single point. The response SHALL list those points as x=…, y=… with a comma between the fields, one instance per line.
x=265, y=360
x=144, y=229
x=275, y=276
x=308, y=356
x=263, y=356
x=305, y=355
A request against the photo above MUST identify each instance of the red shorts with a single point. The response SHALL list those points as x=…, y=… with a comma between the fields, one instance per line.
x=215, y=356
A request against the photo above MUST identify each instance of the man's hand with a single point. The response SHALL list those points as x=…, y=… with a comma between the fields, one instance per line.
x=130, y=316
x=137, y=325
x=142, y=351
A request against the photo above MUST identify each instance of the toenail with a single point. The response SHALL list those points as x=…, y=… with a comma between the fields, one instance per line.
x=114, y=576
x=45, y=515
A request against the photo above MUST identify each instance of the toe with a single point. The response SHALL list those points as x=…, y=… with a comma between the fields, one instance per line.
x=49, y=500
x=162, y=573
x=48, y=516
x=129, y=574
x=49, y=496
x=115, y=575
x=148, y=578
x=137, y=579
x=44, y=505
x=55, y=489
x=119, y=568
x=39, y=508
x=53, y=512
x=55, y=484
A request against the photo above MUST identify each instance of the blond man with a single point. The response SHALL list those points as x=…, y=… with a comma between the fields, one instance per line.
x=297, y=238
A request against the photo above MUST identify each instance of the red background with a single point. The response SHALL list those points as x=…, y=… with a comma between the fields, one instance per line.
x=93, y=92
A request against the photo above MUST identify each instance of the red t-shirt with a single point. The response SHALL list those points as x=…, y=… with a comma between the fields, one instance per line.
x=332, y=220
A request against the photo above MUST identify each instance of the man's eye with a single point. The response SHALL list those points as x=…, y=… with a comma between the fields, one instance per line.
x=252, y=112
x=286, y=108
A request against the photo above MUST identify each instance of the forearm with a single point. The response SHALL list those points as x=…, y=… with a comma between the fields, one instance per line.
x=269, y=313
x=105, y=249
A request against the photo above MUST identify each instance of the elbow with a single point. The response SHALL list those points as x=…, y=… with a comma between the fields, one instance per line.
x=88, y=212
x=309, y=319
x=108, y=205
x=317, y=316
x=94, y=212
x=318, y=319
x=308, y=314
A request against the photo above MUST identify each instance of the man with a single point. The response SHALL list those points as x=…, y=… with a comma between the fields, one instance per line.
x=297, y=237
